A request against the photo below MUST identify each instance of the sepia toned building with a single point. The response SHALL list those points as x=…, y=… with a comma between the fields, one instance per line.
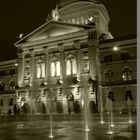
x=8, y=82
x=72, y=59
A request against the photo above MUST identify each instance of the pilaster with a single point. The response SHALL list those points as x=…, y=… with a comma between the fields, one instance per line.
x=61, y=48
x=93, y=44
x=46, y=51
x=32, y=66
x=20, y=68
x=77, y=46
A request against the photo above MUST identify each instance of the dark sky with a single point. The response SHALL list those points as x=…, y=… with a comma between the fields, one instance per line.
x=23, y=16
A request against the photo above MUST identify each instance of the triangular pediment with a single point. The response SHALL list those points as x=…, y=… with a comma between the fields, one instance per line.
x=52, y=29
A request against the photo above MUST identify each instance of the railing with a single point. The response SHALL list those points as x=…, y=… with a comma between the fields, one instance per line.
x=119, y=83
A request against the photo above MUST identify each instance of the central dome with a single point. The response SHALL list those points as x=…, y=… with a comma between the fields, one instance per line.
x=65, y=2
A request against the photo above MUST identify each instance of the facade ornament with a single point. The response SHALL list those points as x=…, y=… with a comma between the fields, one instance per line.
x=55, y=15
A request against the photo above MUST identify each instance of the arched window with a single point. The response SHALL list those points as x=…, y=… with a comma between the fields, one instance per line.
x=126, y=73
x=85, y=63
x=40, y=69
x=2, y=85
x=11, y=102
x=108, y=75
x=11, y=85
x=55, y=67
x=1, y=102
x=78, y=21
x=27, y=71
x=82, y=20
x=86, y=20
x=73, y=20
x=71, y=67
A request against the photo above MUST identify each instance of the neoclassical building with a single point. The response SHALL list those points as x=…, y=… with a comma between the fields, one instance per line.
x=74, y=55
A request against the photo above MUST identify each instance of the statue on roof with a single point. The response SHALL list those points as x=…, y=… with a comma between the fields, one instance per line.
x=55, y=15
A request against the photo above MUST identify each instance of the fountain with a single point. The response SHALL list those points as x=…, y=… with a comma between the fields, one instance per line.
x=101, y=111
x=129, y=111
x=110, y=113
x=128, y=98
x=109, y=132
x=50, y=115
x=86, y=109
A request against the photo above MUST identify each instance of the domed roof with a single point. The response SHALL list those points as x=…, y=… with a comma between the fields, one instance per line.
x=66, y=2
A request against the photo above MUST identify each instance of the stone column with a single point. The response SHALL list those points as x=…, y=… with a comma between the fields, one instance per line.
x=46, y=51
x=77, y=46
x=20, y=69
x=93, y=43
x=61, y=48
x=32, y=67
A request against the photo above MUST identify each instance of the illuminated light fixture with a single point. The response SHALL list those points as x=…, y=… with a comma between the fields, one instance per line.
x=130, y=121
x=30, y=84
x=123, y=76
x=16, y=64
x=112, y=125
x=45, y=83
x=115, y=48
x=102, y=122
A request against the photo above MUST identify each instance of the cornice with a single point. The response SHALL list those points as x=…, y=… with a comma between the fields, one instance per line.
x=120, y=43
x=60, y=38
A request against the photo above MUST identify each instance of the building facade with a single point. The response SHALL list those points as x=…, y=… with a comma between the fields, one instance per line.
x=73, y=59
x=8, y=82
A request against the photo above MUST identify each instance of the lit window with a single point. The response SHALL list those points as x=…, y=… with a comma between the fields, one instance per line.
x=126, y=73
x=11, y=85
x=86, y=21
x=109, y=75
x=82, y=20
x=78, y=21
x=73, y=20
x=85, y=64
x=40, y=69
x=71, y=67
x=55, y=67
x=27, y=70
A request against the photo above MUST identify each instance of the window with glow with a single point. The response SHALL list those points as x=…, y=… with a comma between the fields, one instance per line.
x=109, y=75
x=85, y=64
x=40, y=69
x=126, y=73
x=73, y=20
x=71, y=66
x=27, y=70
x=55, y=67
x=82, y=20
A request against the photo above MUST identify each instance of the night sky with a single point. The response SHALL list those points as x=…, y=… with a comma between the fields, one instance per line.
x=23, y=16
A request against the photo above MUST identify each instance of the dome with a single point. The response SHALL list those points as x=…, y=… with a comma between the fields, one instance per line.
x=66, y=2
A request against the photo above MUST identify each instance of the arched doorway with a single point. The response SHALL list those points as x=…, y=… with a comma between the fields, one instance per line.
x=26, y=108
x=76, y=107
x=93, y=107
x=43, y=108
x=70, y=100
x=59, y=107
x=128, y=95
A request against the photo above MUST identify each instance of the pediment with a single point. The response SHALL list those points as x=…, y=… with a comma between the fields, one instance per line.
x=52, y=29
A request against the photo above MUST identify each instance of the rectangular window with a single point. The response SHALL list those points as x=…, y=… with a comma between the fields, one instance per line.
x=108, y=58
x=2, y=73
x=125, y=56
x=12, y=72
